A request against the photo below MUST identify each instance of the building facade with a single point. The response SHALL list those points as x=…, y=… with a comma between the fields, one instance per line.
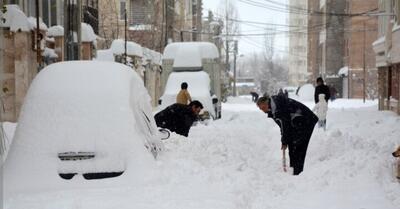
x=298, y=46
x=340, y=34
x=152, y=24
x=387, y=53
x=326, y=41
x=360, y=80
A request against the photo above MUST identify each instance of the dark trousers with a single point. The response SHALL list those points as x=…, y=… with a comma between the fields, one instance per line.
x=297, y=151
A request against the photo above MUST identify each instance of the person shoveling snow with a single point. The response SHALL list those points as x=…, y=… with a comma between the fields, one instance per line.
x=297, y=124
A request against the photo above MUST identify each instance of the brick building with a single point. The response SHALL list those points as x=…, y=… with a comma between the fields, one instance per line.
x=152, y=24
x=313, y=29
x=326, y=41
x=387, y=52
x=359, y=57
x=339, y=45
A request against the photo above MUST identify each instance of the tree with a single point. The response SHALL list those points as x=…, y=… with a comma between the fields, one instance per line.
x=231, y=28
x=109, y=22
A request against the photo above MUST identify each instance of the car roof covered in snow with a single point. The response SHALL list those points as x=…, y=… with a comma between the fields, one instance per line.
x=81, y=106
x=190, y=54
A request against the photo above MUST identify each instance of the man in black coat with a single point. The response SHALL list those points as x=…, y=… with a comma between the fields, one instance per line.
x=297, y=124
x=179, y=118
x=321, y=88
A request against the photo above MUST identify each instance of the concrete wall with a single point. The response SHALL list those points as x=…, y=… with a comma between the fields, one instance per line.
x=153, y=82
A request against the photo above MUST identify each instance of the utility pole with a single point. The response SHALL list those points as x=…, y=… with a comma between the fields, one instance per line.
x=226, y=37
x=234, y=67
x=72, y=29
x=364, y=70
x=126, y=40
x=38, y=56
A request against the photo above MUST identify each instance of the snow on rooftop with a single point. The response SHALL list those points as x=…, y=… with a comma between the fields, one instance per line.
x=133, y=49
x=14, y=19
x=206, y=50
x=88, y=34
x=32, y=24
x=56, y=30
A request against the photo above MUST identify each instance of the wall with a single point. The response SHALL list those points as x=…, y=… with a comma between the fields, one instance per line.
x=17, y=70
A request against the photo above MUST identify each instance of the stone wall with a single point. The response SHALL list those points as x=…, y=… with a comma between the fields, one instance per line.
x=17, y=70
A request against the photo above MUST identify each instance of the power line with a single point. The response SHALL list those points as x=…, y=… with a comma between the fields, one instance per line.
x=286, y=9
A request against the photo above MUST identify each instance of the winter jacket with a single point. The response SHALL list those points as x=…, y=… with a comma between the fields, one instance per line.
x=183, y=97
x=321, y=108
x=322, y=89
x=177, y=118
x=295, y=119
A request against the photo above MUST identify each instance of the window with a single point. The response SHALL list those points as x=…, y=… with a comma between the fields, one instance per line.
x=31, y=10
x=49, y=11
x=122, y=7
x=13, y=2
x=397, y=10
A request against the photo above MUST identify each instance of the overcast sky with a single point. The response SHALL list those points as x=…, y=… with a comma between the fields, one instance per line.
x=249, y=44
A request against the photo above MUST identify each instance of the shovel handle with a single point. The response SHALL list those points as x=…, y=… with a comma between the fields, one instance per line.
x=284, y=166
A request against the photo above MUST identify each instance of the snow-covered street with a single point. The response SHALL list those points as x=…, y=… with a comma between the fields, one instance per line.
x=235, y=162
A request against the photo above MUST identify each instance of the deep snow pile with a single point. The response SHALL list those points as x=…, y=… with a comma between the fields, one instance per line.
x=235, y=162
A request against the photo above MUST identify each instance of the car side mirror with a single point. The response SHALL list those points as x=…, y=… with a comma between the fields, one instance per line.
x=215, y=100
x=159, y=102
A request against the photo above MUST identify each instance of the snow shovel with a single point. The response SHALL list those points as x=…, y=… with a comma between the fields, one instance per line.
x=165, y=134
x=284, y=166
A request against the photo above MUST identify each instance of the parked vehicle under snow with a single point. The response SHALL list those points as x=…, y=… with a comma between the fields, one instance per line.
x=82, y=120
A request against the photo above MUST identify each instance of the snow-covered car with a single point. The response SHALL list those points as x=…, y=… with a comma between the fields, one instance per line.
x=82, y=120
x=199, y=89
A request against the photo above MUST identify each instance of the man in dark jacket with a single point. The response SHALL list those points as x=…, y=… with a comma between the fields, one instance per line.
x=179, y=118
x=321, y=88
x=297, y=124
